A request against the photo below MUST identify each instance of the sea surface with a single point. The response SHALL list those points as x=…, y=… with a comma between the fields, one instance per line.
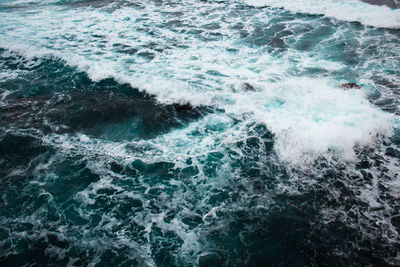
x=199, y=133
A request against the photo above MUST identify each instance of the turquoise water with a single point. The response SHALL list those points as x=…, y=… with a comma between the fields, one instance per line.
x=128, y=135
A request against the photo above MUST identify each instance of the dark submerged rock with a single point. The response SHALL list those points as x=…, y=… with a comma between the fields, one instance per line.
x=389, y=3
x=248, y=87
x=347, y=86
x=183, y=107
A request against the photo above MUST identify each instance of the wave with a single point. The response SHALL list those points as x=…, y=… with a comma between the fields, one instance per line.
x=346, y=10
x=308, y=117
x=204, y=64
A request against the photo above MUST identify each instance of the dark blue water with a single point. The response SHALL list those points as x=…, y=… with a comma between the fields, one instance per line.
x=199, y=133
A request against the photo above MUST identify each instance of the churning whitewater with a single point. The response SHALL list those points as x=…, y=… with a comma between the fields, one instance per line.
x=199, y=133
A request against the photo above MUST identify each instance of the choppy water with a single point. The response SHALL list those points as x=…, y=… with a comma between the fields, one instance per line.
x=127, y=136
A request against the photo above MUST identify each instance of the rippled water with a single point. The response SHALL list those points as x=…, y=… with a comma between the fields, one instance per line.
x=205, y=133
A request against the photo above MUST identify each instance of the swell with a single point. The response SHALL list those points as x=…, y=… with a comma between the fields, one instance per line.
x=353, y=10
x=96, y=171
x=187, y=61
x=182, y=62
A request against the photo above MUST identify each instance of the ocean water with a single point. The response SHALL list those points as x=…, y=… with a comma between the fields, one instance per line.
x=129, y=135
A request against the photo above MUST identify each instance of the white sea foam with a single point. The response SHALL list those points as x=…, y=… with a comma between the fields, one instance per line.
x=347, y=10
x=312, y=118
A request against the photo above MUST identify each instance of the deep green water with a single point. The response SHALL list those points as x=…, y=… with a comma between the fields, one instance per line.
x=128, y=138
